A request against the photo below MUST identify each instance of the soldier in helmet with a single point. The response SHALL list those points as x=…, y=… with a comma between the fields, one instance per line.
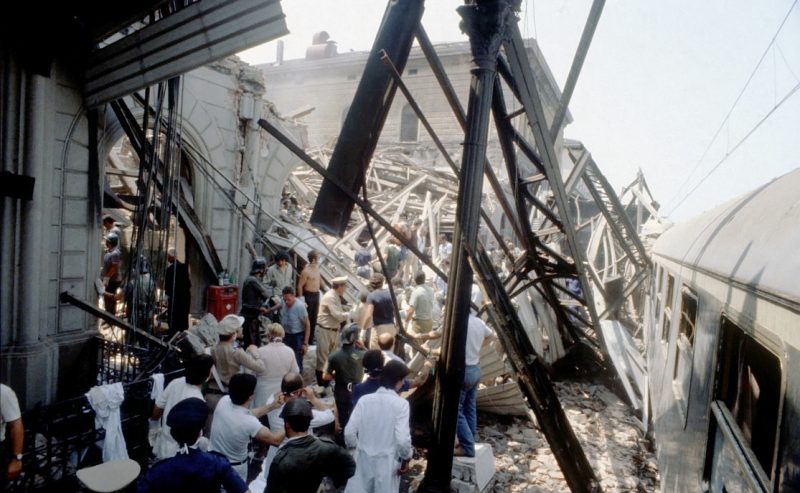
x=345, y=369
x=111, y=272
x=254, y=296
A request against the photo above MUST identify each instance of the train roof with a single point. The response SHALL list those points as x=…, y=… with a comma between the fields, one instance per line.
x=753, y=239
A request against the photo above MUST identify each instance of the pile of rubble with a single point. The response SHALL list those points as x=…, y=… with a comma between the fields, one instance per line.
x=610, y=434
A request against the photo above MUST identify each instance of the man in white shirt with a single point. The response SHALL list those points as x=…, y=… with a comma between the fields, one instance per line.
x=235, y=424
x=379, y=429
x=11, y=416
x=466, y=429
x=291, y=388
x=198, y=369
x=445, y=248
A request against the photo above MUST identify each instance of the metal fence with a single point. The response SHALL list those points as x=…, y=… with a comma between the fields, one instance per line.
x=63, y=437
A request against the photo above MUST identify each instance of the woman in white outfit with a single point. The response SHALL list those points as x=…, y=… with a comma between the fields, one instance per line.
x=278, y=360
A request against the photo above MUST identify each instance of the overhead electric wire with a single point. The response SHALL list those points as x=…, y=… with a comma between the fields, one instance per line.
x=730, y=111
x=730, y=152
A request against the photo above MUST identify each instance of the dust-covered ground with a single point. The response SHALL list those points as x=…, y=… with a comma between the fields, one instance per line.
x=608, y=430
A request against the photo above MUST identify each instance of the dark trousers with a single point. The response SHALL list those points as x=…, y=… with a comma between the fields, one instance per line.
x=344, y=403
x=295, y=341
x=177, y=316
x=312, y=306
x=251, y=331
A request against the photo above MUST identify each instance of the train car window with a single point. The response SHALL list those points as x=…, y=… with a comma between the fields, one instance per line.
x=684, y=351
x=747, y=401
x=667, y=322
x=688, y=316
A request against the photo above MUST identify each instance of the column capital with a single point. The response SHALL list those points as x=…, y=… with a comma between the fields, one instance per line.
x=485, y=22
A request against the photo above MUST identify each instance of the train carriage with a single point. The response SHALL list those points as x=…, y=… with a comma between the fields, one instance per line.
x=723, y=345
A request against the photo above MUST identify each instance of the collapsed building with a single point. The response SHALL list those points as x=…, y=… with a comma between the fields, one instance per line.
x=85, y=139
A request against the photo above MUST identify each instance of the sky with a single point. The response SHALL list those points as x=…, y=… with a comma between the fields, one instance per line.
x=664, y=87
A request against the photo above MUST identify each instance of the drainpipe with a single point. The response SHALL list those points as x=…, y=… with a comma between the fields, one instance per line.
x=11, y=115
x=34, y=248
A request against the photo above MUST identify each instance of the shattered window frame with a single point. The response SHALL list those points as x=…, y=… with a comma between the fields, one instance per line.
x=744, y=351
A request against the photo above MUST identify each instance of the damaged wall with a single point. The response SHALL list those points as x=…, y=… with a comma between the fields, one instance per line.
x=328, y=85
x=53, y=243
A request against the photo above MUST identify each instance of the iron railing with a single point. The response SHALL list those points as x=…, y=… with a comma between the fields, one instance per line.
x=62, y=438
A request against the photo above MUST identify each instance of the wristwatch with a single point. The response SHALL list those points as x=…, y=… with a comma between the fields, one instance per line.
x=18, y=457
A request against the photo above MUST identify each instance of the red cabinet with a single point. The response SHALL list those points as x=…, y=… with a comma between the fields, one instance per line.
x=222, y=300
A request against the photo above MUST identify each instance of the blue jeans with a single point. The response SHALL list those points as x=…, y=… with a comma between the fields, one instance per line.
x=295, y=341
x=467, y=426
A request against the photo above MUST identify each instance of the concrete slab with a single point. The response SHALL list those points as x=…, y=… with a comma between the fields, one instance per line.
x=474, y=474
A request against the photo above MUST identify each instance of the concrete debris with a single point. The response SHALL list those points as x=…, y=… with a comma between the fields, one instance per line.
x=607, y=429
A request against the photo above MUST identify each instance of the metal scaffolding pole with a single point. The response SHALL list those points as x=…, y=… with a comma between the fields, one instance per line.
x=486, y=26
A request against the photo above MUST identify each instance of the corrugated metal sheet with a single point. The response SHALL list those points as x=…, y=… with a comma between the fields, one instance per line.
x=752, y=239
x=197, y=35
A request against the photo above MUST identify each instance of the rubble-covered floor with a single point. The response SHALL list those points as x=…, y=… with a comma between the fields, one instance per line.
x=608, y=430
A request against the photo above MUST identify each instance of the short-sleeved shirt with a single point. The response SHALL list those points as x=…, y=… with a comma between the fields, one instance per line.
x=345, y=364
x=111, y=258
x=231, y=430
x=422, y=301
x=282, y=278
x=9, y=408
x=176, y=391
x=362, y=257
x=292, y=317
x=477, y=331
x=197, y=471
x=383, y=311
x=392, y=258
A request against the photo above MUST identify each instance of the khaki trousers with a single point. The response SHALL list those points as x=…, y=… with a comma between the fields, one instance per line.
x=421, y=326
x=377, y=331
x=326, y=344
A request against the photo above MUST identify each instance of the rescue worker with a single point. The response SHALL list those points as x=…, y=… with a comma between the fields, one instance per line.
x=254, y=298
x=140, y=296
x=332, y=313
x=304, y=459
x=178, y=288
x=345, y=367
x=308, y=287
x=112, y=272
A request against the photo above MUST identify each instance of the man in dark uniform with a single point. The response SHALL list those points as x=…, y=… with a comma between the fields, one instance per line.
x=344, y=367
x=304, y=459
x=254, y=295
x=192, y=469
x=178, y=289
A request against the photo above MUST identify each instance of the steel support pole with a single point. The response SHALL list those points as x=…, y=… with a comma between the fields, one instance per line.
x=486, y=25
x=367, y=114
x=577, y=64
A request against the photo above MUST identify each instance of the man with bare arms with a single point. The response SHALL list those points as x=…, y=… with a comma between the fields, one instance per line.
x=308, y=286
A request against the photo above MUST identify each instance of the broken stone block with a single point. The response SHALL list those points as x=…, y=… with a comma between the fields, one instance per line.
x=476, y=472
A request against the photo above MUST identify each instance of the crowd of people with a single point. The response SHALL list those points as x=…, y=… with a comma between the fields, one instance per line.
x=246, y=400
x=257, y=407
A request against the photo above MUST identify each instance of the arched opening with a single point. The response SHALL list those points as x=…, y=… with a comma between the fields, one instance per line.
x=139, y=205
x=409, y=125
